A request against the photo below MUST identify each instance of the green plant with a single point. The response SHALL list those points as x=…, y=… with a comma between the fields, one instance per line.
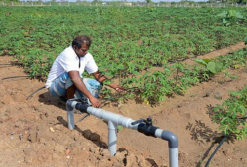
x=232, y=114
x=230, y=17
x=211, y=66
x=127, y=43
x=155, y=86
x=234, y=60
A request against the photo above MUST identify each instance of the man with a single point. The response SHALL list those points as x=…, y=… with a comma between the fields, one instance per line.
x=65, y=78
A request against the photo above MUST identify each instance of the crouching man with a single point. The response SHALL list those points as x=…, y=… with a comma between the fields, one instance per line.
x=65, y=78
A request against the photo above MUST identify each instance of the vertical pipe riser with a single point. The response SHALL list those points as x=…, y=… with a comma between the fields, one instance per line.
x=70, y=114
x=112, y=138
x=173, y=147
x=70, y=118
x=173, y=157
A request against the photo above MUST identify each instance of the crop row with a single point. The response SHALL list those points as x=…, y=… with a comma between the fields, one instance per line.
x=126, y=41
x=176, y=78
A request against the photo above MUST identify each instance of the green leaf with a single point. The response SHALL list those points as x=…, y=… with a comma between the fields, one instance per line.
x=201, y=61
x=245, y=40
x=211, y=67
x=223, y=14
x=119, y=127
x=219, y=66
x=107, y=82
x=136, y=73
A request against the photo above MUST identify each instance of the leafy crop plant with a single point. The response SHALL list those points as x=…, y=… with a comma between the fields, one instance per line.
x=232, y=114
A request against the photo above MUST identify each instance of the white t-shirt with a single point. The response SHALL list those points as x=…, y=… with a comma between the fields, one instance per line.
x=67, y=61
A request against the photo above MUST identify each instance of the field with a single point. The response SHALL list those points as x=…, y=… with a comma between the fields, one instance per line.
x=182, y=62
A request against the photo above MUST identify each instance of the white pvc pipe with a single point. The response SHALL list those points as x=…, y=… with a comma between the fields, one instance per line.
x=112, y=138
x=70, y=114
x=70, y=117
x=173, y=157
x=114, y=120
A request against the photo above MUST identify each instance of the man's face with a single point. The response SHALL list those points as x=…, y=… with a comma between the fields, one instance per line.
x=82, y=51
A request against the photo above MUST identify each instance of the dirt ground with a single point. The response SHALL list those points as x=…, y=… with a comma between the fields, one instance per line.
x=34, y=132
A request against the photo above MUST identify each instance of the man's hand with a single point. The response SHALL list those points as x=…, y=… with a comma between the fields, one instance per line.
x=95, y=102
x=101, y=78
x=119, y=88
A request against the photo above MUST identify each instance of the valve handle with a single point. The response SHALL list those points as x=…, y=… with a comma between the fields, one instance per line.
x=138, y=121
x=148, y=121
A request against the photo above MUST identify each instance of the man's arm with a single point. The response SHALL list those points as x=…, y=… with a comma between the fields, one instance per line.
x=78, y=83
x=101, y=78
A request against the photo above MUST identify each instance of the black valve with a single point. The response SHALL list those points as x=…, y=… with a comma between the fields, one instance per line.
x=81, y=107
x=146, y=126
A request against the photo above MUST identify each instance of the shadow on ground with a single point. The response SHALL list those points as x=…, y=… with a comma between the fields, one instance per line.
x=48, y=99
x=88, y=134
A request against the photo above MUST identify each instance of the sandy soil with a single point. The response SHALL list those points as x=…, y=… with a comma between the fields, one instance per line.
x=34, y=132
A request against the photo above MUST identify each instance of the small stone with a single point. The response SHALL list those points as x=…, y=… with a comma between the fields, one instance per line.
x=46, y=115
x=32, y=137
x=218, y=96
x=67, y=151
x=20, y=136
x=52, y=130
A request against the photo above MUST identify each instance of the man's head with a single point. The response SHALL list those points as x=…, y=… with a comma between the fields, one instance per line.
x=81, y=44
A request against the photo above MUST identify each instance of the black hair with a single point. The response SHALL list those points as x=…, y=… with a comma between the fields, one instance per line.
x=79, y=40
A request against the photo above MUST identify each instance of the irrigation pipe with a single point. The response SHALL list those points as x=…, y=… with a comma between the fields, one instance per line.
x=62, y=99
x=143, y=126
x=14, y=77
x=5, y=64
x=35, y=92
x=210, y=158
x=109, y=99
x=223, y=140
